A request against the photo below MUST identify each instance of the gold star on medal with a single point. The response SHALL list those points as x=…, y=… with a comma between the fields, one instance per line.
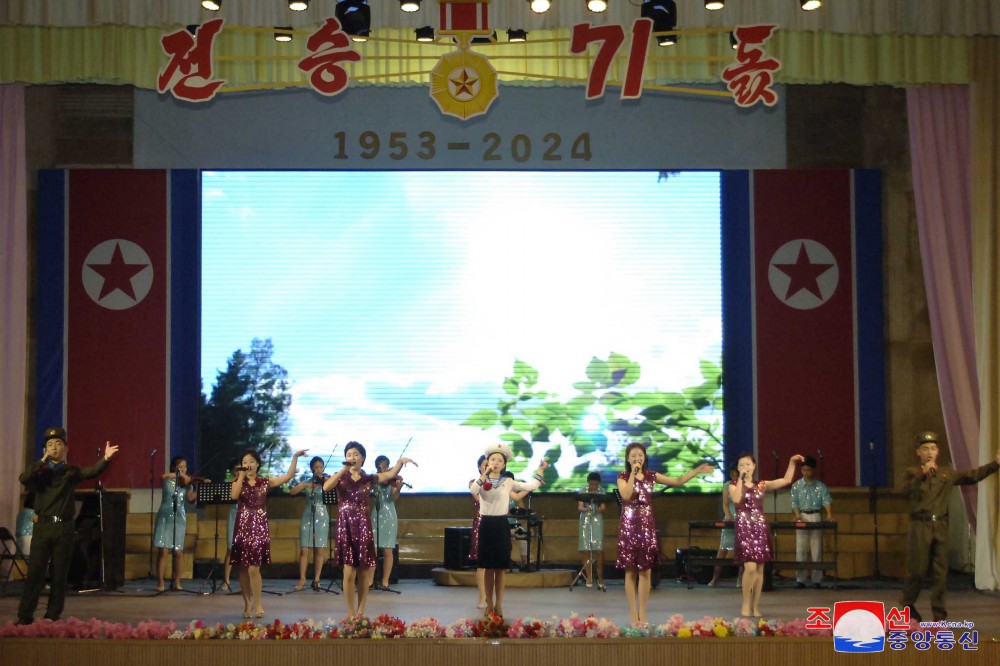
x=464, y=83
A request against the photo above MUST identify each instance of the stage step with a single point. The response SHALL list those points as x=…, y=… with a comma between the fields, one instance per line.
x=543, y=578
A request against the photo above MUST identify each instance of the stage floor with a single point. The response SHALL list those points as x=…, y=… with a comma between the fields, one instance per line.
x=137, y=600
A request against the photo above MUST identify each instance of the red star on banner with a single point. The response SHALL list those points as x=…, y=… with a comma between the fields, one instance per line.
x=803, y=274
x=117, y=274
x=463, y=84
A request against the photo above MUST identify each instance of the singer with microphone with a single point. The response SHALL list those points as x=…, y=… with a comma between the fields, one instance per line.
x=314, y=529
x=53, y=482
x=251, y=541
x=927, y=487
x=638, y=545
x=753, y=538
x=810, y=498
x=171, y=521
x=355, y=544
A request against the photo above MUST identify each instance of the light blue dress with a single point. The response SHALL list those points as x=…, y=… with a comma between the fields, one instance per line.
x=24, y=525
x=591, y=530
x=320, y=521
x=165, y=533
x=231, y=523
x=384, y=521
x=727, y=538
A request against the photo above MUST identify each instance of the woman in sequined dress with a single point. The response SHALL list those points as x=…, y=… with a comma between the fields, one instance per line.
x=753, y=537
x=171, y=521
x=251, y=542
x=355, y=543
x=474, y=544
x=638, y=547
x=314, y=528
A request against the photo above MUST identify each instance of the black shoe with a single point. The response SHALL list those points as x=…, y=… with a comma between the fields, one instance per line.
x=914, y=614
x=940, y=614
x=54, y=619
x=24, y=621
x=800, y=586
x=315, y=586
x=818, y=586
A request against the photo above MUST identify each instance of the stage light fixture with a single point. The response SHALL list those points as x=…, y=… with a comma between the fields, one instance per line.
x=212, y=5
x=485, y=39
x=425, y=34
x=409, y=6
x=298, y=5
x=664, y=15
x=355, y=18
x=810, y=5
x=193, y=28
x=714, y=5
x=597, y=6
x=517, y=35
x=539, y=6
x=282, y=33
x=733, y=44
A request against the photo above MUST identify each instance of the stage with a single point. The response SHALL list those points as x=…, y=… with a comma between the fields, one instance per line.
x=137, y=601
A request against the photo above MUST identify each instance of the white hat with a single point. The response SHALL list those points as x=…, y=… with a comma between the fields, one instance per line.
x=500, y=448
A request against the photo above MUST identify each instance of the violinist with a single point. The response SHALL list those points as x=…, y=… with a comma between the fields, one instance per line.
x=171, y=520
x=314, y=530
x=384, y=517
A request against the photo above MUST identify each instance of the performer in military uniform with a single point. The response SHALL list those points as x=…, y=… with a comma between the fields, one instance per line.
x=53, y=482
x=927, y=486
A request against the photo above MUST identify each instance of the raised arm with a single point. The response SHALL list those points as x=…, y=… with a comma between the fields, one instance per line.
x=627, y=486
x=276, y=481
x=234, y=490
x=786, y=480
x=526, y=487
x=736, y=490
x=675, y=482
x=391, y=473
x=101, y=465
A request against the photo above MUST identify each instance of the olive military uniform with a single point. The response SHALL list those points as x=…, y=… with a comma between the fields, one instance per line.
x=928, y=540
x=53, y=485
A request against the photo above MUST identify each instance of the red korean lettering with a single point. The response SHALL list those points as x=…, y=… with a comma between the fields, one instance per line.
x=328, y=47
x=750, y=78
x=188, y=75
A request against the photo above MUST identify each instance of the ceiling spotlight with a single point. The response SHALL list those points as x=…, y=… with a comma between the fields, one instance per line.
x=809, y=5
x=539, y=6
x=732, y=40
x=355, y=18
x=597, y=6
x=714, y=5
x=212, y=5
x=517, y=35
x=193, y=28
x=485, y=39
x=282, y=33
x=664, y=15
x=409, y=6
x=425, y=34
x=298, y=5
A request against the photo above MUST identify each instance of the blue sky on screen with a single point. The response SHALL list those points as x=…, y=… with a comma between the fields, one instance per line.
x=398, y=301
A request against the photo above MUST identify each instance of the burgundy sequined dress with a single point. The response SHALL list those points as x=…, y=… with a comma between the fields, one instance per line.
x=251, y=541
x=355, y=539
x=474, y=543
x=753, y=538
x=638, y=547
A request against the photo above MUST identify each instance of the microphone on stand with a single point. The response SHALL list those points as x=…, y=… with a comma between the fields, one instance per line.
x=819, y=454
x=153, y=453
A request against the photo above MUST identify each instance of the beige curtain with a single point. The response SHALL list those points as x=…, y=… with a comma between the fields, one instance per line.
x=986, y=286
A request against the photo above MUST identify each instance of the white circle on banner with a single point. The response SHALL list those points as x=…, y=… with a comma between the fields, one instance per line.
x=117, y=274
x=803, y=274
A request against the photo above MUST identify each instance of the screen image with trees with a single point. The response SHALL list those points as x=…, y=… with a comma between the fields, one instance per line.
x=564, y=313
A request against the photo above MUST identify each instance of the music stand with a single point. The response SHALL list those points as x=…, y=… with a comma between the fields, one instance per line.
x=213, y=494
x=593, y=499
x=330, y=499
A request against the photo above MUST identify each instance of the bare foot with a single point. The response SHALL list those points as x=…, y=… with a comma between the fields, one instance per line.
x=300, y=584
x=745, y=612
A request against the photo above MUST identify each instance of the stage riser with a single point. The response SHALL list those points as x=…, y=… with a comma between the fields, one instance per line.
x=414, y=652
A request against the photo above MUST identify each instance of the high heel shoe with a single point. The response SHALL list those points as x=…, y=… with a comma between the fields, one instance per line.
x=246, y=614
x=260, y=613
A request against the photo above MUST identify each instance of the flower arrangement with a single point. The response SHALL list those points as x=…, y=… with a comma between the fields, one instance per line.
x=529, y=627
x=490, y=626
x=464, y=628
x=386, y=626
x=426, y=627
x=355, y=626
